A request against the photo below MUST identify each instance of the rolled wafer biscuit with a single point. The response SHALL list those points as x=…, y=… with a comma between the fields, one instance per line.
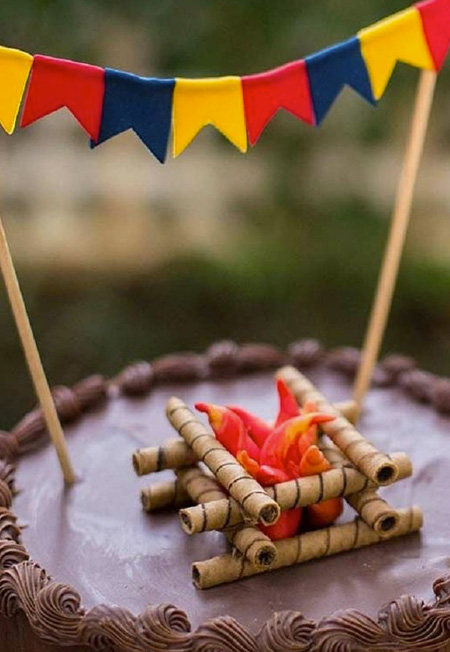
x=375, y=512
x=304, y=547
x=255, y=546
x=201, y=488
x=241, y=486
x=336, y=483
x=338, y=460
x=370, y=461
x=163, y=495
x=175, y=454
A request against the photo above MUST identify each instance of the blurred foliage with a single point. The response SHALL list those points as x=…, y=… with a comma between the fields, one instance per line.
x=274, y=289
x=301, y=268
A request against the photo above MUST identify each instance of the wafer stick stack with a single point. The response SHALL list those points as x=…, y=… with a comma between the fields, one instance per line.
x=225, y=497
x=302, y=548
x=253, y=545
x=231, y=475
x=364, y=456
x=336, y=483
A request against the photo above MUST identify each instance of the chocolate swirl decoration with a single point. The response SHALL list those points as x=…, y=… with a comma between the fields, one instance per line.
x=7, y=473
x=288, y=631
x=412, y=623
x=350, y=631
x=181, y=367
x=90, y=392
x=12, y=553
x=136, y=379
x=223, y=634
x=258, y=357
x=104, y=628
x=164, y=627
x=222, y=359
x=6, y=497
x=9, y=530
x=19, y=587
x=441, y=589
x=58, y=613
x=29, y=432
x=9, y=446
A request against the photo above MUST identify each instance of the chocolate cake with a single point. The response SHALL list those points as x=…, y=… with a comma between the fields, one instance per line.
x=85, y=568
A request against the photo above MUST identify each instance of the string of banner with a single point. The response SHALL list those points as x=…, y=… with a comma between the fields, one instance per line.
x=107, y=102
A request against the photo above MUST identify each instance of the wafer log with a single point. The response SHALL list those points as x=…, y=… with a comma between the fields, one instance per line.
x=239, y=484
x=302, y=548
x=176, y=454
x=163, y=495
x=255, y=546
x=376, y=512
x=336, y=483
x=375, y=465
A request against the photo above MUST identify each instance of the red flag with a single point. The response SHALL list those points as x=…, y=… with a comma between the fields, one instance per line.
x=435, y=16
x=283, y=88
x=55, y=83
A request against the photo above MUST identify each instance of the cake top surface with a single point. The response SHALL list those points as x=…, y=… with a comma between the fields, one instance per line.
x=96, y=538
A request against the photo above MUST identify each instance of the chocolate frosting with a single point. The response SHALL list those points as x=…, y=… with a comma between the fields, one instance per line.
x=55, y=610
x=288, y=631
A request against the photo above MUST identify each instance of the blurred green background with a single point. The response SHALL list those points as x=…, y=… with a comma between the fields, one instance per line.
x=121, y=258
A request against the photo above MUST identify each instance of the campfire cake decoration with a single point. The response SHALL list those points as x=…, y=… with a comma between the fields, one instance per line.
x=275, y=490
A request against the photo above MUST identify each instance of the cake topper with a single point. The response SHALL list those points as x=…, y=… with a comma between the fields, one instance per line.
x=107, y=102
x=252, y=462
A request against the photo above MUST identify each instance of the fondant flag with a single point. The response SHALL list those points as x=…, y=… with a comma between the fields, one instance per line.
x=435, y=16
x=14, y=70
x=332, y=69
x=201, y=102
x=143, y=104
x=400, y=37
x=286, y=88
x=57, y=83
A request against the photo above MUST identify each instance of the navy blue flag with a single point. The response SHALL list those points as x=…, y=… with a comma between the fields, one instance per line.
x=143, y=104
x=332, y=69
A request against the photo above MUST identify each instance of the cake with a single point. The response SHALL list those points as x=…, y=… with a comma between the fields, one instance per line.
x=116, y=572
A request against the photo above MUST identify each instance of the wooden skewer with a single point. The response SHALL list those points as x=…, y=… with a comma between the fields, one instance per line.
x=400, y=220
x=33, y=358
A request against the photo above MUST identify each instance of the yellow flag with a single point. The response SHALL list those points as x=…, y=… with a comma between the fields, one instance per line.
x=15, y=67
x=398, y=38
x=201, y=102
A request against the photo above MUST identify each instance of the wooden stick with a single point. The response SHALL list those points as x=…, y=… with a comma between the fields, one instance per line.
x=400, y=220
x=302, y=548
x=33, y=358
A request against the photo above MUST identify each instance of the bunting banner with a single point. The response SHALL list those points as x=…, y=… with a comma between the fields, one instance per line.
x=107, y=102
x=139, y=103
x=286, y=88
x=200, y=102
x=15, y=67
x=56, y=83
